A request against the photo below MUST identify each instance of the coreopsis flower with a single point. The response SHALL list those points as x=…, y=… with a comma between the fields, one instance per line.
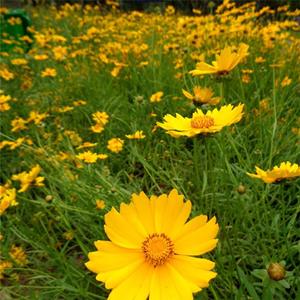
x=138, y=135
x=88, y=157
x=115, y=145
x=36, y=117
x=49, y=72
x=29, y=178
x=18, y=124
x=6, y=74
x=102, y=156
x=40, y=57
x=202, y=96
x=79, y=102
x=224, y=63
x=200, y=123
x=18, y=255
x=100, y=204
x=156, y=97
x=60, y=53
x=286, y=170
x=7, y=197
x=64, y=109
x=152, y=249
x=260, y=60
x=4, y=105
x=286, y=81
x=19, y=61
x=100, y=117
x=97, y=128
x=3, y=266
x=87, y=145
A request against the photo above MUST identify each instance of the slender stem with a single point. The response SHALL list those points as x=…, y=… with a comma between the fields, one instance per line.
x=274, y=121
x=196, y=161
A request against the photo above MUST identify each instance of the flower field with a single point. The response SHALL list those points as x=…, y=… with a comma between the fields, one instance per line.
x=150, y=154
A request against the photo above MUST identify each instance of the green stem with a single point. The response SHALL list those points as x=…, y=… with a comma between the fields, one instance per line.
x=274, y=122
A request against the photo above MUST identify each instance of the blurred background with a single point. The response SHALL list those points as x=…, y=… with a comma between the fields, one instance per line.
x=206, y=6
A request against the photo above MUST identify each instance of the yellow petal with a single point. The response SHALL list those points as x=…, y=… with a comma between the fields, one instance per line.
x=187, y=94
x=136, y=286
x=144, y=211
x=121, y=232
x=203, y=68
x=191, y=225
x=198, y=241
x=196, y=270
x=159, y=205
x=168, y=284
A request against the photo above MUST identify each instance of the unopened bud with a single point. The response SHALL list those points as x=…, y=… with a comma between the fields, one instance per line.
x=276, y=271
x=49, y=198
x=241, y=189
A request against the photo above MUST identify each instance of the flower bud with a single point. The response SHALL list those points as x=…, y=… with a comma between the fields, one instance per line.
x=276, y=271
x=241, y=189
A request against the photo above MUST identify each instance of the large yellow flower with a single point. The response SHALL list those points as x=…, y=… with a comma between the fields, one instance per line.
x=151, y=249
x=200, y=123
x=224, y=63
x=284, y=171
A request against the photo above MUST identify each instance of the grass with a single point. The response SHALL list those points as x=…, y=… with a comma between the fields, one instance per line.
x=56, y=224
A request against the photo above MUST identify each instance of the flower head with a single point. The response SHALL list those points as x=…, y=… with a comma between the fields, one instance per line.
x=115, y=145
x=138, y=135
x=29, y=178
x=152, y=247
x=49, y=72
x=224, y=63
x=286, y=170
x=200, y=123
x=156, y=97
x=202, y=96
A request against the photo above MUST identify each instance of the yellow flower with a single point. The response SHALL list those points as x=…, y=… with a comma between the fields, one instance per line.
x=152, y=247
x=18, y=255
x=88, y=157
x=60, y=53
x=4, y=106
x=136, y=136
x=3, y=266
x=29, y=178
x=19, y=61
x=49, y=72
x=286, y=170
x=79, y=102
x=156, y=97
x=36, y=117
x=200, y=123
x=102, y=156
x=6, y=74
x=100, y=204
x=7, y=197
x=286, y=81
x=100, y=117
x=87, y=145
x=115, y=145
x=202, y=95
x=97, y=128
x=259, y=60
x=40, y=57
x=224, y=63
x=18, y=124
x=64, y=109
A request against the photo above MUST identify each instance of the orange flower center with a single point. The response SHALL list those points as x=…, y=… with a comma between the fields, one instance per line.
x=157, y=249
x=202, y=122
